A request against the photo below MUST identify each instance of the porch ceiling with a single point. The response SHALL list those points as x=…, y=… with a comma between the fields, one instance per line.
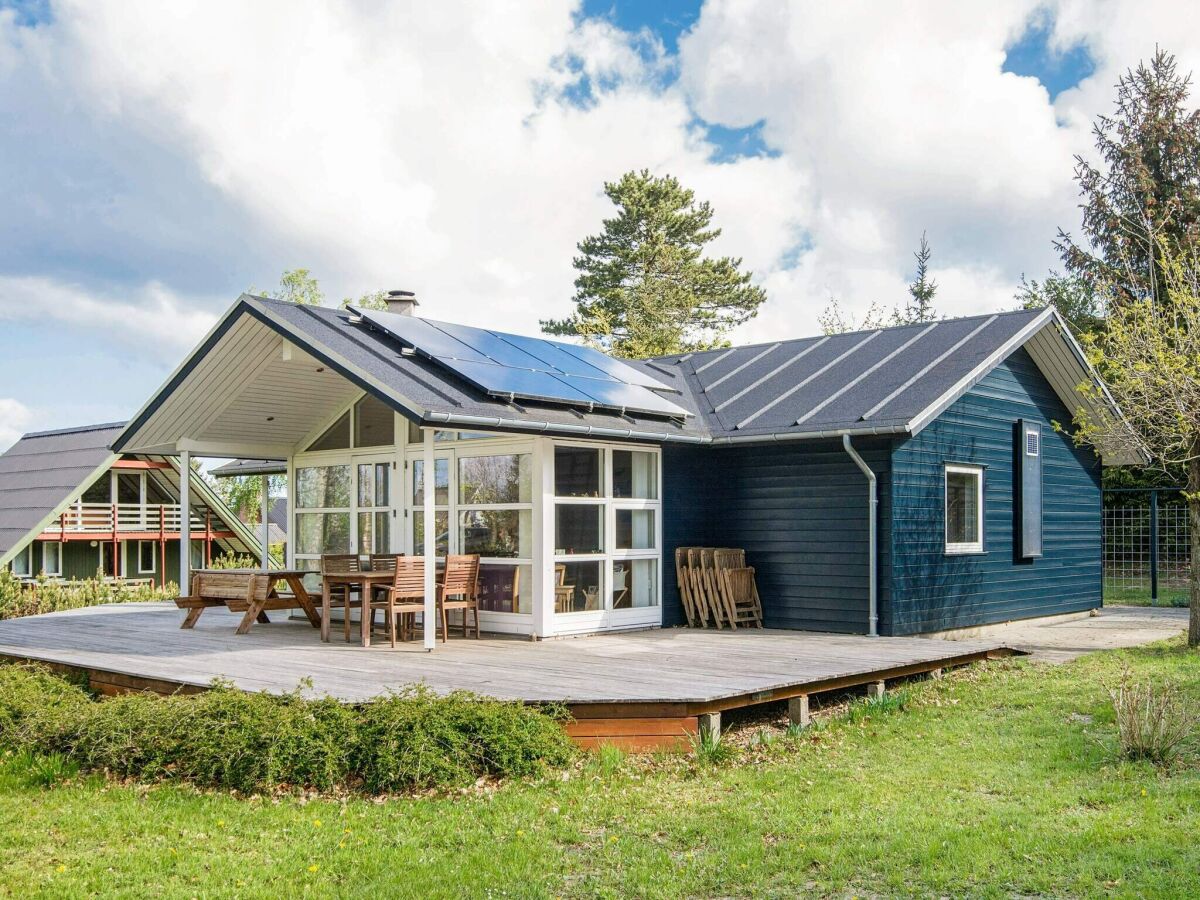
x=252, y=393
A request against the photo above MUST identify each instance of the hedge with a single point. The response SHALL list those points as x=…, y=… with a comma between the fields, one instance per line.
x=261, y=742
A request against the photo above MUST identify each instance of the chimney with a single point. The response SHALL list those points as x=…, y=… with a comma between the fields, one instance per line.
x=402, y=303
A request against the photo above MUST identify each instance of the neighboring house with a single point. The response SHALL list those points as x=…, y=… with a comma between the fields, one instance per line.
x=71, y=507
x=575, y=476
x=277, y=514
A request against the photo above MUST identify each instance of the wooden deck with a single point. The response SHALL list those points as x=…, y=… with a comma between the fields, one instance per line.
x=661, y=680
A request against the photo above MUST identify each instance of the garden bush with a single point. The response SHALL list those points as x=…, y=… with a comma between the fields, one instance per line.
x=257, y=742
x=1154, y=722
x=419, y=739
x=43, y=596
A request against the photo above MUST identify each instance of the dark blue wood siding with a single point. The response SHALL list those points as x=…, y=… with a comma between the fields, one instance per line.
x=931, y=591
x=800, y=511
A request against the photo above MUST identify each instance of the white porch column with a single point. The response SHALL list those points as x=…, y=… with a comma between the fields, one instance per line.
x=266, y=527
x=543, y=538
x=430, y=552
x=185, y=522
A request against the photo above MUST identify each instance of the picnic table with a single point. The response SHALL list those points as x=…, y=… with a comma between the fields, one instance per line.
x=257, y=611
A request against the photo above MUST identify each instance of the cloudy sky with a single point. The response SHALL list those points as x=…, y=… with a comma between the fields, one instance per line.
x=156, y=159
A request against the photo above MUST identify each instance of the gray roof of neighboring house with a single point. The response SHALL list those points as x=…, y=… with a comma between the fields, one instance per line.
x=42, y=470
x=239, y=467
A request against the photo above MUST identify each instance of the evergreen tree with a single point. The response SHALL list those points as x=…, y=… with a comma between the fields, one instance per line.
x=922, y=290
x=645, y=287
x=1145, y=194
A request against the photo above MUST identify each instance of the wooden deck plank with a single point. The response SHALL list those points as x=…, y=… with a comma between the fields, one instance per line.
x=668, y=666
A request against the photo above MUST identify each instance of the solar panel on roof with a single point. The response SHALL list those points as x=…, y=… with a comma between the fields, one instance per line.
x=510, y=366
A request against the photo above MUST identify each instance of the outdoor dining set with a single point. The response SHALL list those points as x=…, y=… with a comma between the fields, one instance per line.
x=392, y=584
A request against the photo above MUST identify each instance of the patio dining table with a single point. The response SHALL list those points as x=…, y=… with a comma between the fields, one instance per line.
x=366, y=580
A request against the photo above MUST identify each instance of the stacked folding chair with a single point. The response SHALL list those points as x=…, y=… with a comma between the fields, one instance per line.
x=717, y=587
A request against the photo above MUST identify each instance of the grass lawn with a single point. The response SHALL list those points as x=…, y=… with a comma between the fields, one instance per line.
x=997, y=781
x=1131, y=595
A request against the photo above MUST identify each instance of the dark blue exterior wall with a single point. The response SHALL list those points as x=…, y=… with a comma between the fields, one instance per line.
x=800, y=511
x=931, y=591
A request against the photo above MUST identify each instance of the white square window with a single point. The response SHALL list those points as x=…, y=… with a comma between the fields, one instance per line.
x=964, y=509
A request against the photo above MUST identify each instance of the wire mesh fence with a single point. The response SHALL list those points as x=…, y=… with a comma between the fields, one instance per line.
x=1146, y=547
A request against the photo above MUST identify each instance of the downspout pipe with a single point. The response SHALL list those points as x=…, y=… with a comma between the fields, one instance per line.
x=873, y=517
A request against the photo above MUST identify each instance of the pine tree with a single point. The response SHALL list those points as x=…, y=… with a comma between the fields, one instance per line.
x=645, y=287
x=922, y=290
x=1145, y=195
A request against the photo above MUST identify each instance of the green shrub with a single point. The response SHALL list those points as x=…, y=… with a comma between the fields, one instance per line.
x=222, y=737
x=416, y=738
x=254, y=742
x=871, y=707
x=38, y=709
x=43, y=596
x=710, y=748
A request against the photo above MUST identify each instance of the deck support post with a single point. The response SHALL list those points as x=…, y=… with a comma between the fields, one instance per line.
x=876, y=690
x=709, y=725
x=798, y=713
x=429, y=616
x=266, y=525
x=185, y=522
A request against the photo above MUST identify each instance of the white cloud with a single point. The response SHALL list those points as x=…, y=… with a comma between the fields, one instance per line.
x=446, y=148
x=15, y=417
x=151, y=321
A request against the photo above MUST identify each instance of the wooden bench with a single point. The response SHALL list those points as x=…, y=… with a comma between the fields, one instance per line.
x=244, y=592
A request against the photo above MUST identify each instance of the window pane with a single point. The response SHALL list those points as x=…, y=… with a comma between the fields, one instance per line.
x=441, y=472
x=52, y=558
x=442, y=538
x=336, y=438
x=496, y=532
x=323, y=532
x=146, y=556
x=577, y=587
x=129, y=487
x=323, y=487
x=635, y=475
x=962, y=510
x=635, y=583
x=416, y=436
x=99, y=491
x=373, y=484
x=635, y=529
x=578, y=472
x=374, y=423
x=505, y=588
x=578, y=528
x=373, y=532
x=495, y=479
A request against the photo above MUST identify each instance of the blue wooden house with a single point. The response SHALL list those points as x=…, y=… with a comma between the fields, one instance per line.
x=898, y=480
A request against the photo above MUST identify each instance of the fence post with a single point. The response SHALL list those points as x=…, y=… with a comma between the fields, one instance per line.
x=1153, y=547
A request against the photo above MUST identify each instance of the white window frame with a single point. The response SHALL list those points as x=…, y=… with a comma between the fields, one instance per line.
x=607, y=617
x=958, y=548
x=56, y=572
x=153, y=558
x=27, y=553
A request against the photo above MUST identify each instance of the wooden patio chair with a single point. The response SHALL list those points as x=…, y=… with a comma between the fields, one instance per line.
x=741, y=592
x=683, y=582
x=342, y=563
x=460, y=590
x=381, y=562
x=564, y=594
x=405, y=595
x=696, y=586
x=735, y=558
x=712, y=587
